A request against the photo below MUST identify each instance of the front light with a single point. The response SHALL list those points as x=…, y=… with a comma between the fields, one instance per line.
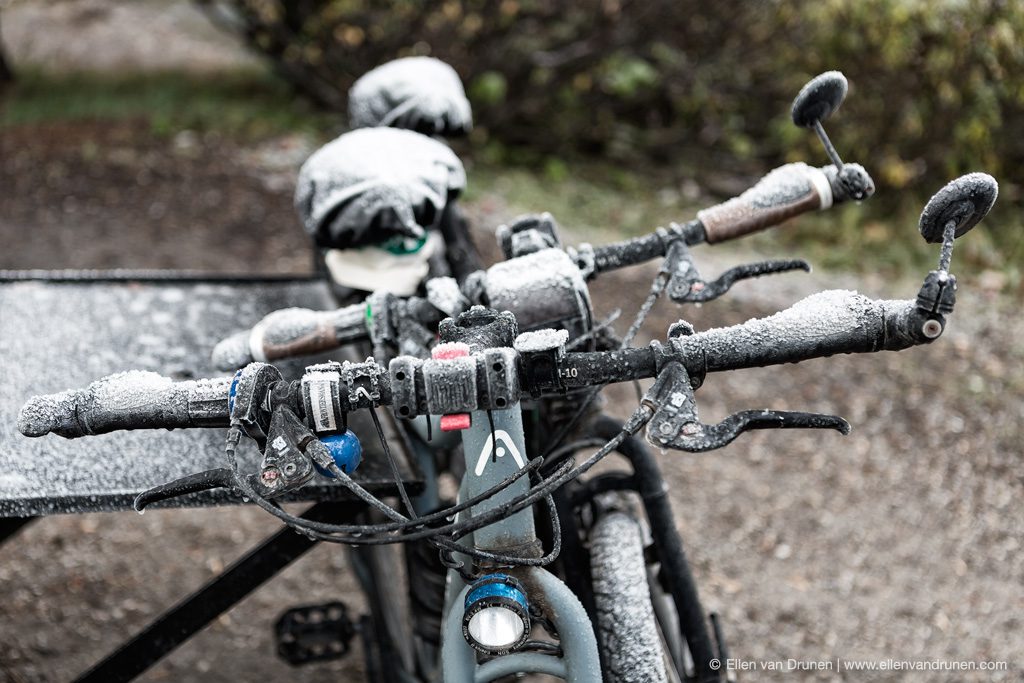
x=497, y=615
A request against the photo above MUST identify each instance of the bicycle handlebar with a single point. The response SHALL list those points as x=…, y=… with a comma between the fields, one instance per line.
x=128, y=400
x=783, y=193
x=786, y=192
x=821, y=325
x=646, y=247
x=293, y=332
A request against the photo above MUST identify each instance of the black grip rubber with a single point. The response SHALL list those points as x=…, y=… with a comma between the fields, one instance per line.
x=645, y=248
x=823, y=324
x=128, y=400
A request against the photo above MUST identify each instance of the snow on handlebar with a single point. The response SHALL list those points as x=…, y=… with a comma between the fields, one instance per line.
x=823, y=324
x=127, y=400
x=786, y=192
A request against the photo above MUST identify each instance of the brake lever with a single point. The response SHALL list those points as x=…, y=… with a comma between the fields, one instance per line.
x=676, y=425
x=248, y=401
x=289, y=454
x=686, y=285
x=201, y=481
x=286, y=465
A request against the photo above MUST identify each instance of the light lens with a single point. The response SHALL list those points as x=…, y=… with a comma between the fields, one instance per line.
x=497, y=616
x=496, y=627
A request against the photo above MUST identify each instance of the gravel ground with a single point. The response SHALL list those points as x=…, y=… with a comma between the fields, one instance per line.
x=901, y=541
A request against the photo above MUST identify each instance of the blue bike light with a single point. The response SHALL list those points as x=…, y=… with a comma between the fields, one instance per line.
x=346, y=450
x=496, y=620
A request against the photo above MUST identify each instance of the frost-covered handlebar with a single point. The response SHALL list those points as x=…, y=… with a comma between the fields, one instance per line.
x=786, y=192
x=127, y=400
x=290, y=332
x=824, y=324
x=821, y=325
x=782, y=194
x=504, y=368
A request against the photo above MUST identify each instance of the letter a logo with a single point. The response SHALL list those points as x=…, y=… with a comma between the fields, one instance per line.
x=498, y=444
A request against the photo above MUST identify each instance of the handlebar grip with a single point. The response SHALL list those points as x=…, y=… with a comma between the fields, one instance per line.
x=292, y=332
x=824, y=324
x=786, y=192
x=128, y=400
x=646, y=247
x=629, y=252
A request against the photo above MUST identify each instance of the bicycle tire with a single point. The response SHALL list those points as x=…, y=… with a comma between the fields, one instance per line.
x=627, y=629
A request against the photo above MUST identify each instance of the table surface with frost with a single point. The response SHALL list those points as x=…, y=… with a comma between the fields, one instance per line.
x=61, y=331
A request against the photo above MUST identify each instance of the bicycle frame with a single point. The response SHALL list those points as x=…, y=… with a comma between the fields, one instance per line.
x=494, y=447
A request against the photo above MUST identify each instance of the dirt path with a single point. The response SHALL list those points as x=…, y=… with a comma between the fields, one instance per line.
x=900, y=541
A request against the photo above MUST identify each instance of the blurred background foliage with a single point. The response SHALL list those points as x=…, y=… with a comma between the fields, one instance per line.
x=937, y=87
x=670, y=99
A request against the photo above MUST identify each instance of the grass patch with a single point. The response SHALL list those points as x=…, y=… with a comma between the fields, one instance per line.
x=243, y=104
x=589, y=198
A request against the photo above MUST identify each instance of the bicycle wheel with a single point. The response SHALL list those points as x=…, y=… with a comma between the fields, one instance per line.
x=627, y=628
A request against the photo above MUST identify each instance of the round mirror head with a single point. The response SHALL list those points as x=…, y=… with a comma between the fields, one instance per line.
x=964, y=201
x=819, y=98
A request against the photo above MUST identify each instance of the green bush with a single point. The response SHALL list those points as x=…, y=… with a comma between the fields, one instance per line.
x=937, y=88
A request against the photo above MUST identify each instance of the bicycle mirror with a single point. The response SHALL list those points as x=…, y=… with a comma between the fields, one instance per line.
x=819, y=98
x=964, y=202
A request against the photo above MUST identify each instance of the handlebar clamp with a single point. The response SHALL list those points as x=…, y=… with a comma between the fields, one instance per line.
x=540, y=356
x=488, y=380
x=247, y=401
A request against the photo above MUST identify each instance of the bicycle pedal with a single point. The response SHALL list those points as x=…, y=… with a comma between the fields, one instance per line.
x=314, y=633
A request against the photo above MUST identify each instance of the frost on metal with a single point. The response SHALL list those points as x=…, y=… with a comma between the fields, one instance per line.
x=416, y=93
x=541, y=340
x=371, y=184
x=444, y=294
